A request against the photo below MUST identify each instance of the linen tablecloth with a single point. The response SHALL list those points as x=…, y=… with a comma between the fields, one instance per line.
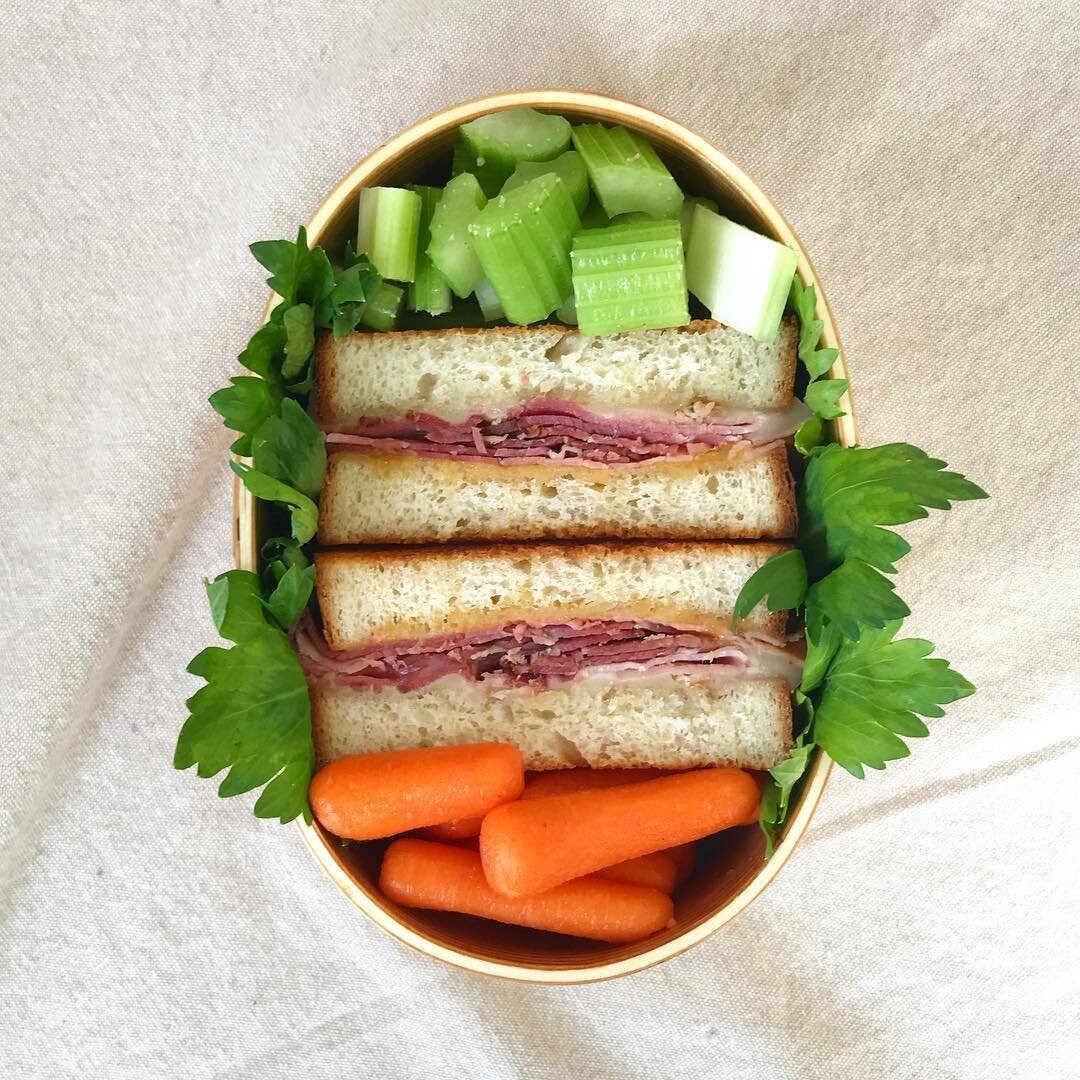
x=927, y=155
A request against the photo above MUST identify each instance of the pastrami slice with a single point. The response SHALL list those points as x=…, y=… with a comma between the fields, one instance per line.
x=521, y=654
x=551, y=428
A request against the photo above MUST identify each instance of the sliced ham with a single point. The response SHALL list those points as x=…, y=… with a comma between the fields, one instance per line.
x=546, y=428
x=519, y=654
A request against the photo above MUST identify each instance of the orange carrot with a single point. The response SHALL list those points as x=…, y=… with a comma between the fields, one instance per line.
x=418, y=873
x=533, y=845
x=685, y=856
x=537, y=785
x=563, y=781
x=649, y=870
x=459, y=829
x=366, y=796
x=657, y=870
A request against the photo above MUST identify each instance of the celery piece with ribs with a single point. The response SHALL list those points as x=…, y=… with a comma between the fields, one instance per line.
x=497, y=143
x=522, y=240
x=629, y=277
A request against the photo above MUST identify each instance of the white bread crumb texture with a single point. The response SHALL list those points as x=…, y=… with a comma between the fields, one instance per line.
x=456, y=374
x=369, y=498
x=382, y=596
x=665, y=722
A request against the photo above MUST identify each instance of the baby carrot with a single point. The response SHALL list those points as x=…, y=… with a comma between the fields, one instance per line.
x=647, y=870
x=533, y=845
x=546, y=783
x=563, y=781
x=418, y=873
x=657, y=870
x=458, y=829
x=538, y=785
x=366, y=796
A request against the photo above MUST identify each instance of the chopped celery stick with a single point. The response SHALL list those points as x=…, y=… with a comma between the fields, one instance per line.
x=568, y=166
x=389, y=222
x=522, y=239
x=593, y=216
x=463, y=161
x=626, y=173
x=630, y=277
x=429, y=290
x=500, y=140
x=450, y=248
x=488, y=301
x=686, y=215
x=742, y=277
x=382, y=310
x=566, y=312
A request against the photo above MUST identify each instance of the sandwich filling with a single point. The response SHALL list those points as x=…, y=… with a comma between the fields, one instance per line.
x=551, y=429
x=516, y=654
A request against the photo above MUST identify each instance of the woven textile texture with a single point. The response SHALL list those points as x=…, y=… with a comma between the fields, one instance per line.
x=927, y=155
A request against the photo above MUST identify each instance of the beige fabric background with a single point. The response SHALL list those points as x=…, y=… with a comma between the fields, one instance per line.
x=927, y=155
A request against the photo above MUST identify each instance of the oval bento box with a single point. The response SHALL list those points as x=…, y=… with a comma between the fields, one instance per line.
x=731, y=869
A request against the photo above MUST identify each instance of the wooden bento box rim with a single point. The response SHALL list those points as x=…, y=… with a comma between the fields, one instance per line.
x=246, y=548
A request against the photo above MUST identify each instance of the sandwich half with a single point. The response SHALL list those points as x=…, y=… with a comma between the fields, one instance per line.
x=539, y=432
x=605, y=655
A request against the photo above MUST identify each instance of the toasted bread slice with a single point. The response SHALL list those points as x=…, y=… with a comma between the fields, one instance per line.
x=459, y=373
x=670, y=722
x=368, y=597
x=382, y=498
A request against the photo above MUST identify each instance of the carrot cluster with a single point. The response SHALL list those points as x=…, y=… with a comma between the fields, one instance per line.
x=586, y=852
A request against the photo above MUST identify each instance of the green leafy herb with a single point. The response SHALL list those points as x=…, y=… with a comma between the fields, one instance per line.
x=291, y=595
x=285, y=552
x=356, y=282
x=781, y=580
x=803, y=301
x=236, y=605
x=811, y=433
x=245, y=405
x=776, y=795
x=874, y=691
x=253, y=716
x=298, y=274
x=852, y=596
x=280, y=258
x=822, y=641
x=822, y=396
x=769, y=816
x=304, y=514
x=315, y=295
x=290, y=448
x=299, y=324
x=280, y=555
x=861, y=690
x=849, y=493
x=265, y=353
